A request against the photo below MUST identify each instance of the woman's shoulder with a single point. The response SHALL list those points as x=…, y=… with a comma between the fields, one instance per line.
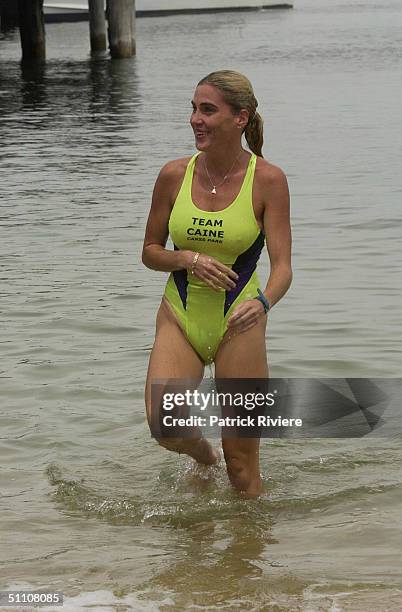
x=175, y=169
x=170, y=178
x=271, y=185
x=268, y=173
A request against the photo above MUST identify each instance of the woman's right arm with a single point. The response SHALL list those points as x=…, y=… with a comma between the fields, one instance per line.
x=154, y=254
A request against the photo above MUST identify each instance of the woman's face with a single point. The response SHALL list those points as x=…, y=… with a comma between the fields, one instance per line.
x=212, y=119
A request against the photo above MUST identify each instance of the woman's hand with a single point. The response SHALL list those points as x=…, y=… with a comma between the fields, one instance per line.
x=246, y=315
x=214, y=273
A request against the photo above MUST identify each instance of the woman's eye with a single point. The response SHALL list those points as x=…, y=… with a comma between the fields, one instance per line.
x=206, y=111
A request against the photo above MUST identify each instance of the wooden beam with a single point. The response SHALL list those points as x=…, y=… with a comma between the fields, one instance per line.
x=97, y=25
x=133, y=22
x=121, y=27
x=32, y=29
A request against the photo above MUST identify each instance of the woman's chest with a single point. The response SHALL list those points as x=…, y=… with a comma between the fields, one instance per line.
x=223, y=234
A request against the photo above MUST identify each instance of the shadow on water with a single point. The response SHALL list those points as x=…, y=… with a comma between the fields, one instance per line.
x=33, y=85
x=219, y=558
x=94, y=91
x=114, y=96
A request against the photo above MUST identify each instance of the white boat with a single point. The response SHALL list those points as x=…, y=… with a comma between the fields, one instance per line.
x=77, y=10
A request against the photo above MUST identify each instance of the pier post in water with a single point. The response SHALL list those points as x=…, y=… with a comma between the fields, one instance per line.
x=133, y=22
x=32, y=29
x=121, y=27
x=97, y=25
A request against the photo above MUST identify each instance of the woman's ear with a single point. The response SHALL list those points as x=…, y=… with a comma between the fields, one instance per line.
x=242, y=118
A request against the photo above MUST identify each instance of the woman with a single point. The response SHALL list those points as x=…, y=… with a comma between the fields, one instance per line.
x=218, y=206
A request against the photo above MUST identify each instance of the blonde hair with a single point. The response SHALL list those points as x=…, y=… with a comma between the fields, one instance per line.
x=237, y=91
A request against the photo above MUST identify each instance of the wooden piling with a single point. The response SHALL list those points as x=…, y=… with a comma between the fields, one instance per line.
x=121, y=28
x=97, y=25
x=133, y=22
x=32, y=29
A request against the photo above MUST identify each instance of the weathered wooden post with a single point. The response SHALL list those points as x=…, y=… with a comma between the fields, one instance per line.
x=32, y=29
x=133, y=22
x=121, y=27
x=97, y=25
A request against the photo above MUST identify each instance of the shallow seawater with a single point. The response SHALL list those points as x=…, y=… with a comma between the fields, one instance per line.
x=91, y=506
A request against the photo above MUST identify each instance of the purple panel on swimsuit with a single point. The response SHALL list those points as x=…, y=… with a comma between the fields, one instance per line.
x=244, y=266
x=181, y=282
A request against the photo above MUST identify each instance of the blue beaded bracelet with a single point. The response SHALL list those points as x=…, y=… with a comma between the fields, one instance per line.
x=261, y=297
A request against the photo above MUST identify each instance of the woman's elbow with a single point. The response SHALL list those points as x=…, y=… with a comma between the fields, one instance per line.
x=146, y=259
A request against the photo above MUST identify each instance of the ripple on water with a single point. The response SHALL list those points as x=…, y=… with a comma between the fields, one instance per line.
x=180, y=498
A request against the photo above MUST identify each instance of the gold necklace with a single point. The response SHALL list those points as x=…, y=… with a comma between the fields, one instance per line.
x=214, y=186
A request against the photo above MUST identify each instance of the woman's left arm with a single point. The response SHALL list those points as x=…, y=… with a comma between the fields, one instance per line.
x=278, y=232
x=276, y=221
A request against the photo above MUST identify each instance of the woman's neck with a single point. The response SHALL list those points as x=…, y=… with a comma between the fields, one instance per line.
x=220, y=162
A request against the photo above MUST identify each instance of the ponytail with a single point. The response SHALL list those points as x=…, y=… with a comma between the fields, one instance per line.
x=254, y=133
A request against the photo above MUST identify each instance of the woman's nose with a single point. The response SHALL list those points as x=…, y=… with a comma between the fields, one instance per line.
x=195, y=118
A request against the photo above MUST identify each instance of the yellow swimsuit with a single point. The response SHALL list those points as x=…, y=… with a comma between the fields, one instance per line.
x=233, y=237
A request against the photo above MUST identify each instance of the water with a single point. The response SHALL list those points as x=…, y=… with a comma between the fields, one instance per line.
x=91, y=506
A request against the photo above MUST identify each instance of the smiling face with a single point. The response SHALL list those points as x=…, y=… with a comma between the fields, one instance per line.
x=213, y=121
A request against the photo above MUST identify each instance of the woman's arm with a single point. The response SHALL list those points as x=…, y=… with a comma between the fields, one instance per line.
x=277, y=229
x=154, y=254
x=276, y=221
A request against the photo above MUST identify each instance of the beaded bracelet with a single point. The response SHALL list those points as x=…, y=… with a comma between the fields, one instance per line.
x=261, y=298
x=196, y=256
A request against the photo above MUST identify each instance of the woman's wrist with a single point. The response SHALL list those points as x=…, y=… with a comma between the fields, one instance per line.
x=262, y=298
x=194, y=263
x=185, y=259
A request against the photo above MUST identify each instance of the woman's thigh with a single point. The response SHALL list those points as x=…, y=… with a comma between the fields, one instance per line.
x=243, y=356
x=172, y=356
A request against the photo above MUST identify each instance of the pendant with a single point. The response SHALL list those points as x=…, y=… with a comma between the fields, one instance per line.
x=213, y=190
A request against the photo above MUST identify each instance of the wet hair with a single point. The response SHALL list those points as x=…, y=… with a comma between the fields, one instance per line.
x=237, y=91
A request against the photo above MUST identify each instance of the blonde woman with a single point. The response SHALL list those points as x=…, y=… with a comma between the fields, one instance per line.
x=219, y=207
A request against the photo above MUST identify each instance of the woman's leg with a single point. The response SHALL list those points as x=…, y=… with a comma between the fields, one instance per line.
x=172, y=356
x=243, y=356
